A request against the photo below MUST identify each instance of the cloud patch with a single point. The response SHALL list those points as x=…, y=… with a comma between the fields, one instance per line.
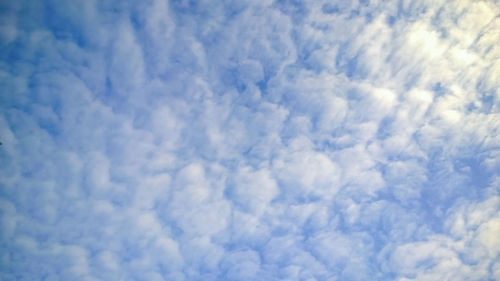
x=177, y=140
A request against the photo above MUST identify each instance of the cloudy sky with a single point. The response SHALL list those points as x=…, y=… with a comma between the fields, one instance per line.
x=249, y=140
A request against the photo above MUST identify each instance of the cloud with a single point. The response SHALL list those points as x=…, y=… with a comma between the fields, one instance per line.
x=467, y=253
x=242, y=140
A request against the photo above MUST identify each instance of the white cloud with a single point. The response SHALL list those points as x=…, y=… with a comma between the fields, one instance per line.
x=241, y=265
x=304, y=173
x=190, y=140
x=254, y=190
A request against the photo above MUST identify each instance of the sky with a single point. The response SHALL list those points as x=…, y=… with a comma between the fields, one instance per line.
x=249, y=140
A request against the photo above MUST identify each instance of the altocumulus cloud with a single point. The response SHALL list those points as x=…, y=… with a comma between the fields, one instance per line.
x=249, y=140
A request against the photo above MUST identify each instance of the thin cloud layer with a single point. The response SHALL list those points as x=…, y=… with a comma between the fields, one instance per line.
x=250, y=140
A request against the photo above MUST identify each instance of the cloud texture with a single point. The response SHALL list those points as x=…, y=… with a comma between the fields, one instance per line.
x=249, y=140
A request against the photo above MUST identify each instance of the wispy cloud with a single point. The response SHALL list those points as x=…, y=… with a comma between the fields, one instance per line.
x=240, y=140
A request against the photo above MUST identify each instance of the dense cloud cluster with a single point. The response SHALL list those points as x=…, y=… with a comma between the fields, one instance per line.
x=249, y=140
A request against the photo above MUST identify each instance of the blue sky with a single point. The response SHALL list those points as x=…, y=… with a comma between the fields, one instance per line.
x=249, y=140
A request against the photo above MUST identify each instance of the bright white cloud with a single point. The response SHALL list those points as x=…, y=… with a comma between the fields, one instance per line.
x=243, y=140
